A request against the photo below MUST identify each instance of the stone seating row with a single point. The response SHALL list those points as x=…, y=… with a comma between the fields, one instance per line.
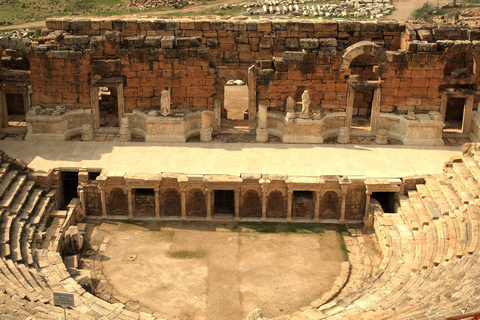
x=30, y=274
x=431, y=252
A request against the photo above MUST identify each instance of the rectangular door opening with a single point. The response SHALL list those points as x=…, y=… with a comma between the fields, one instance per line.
x=388, y=201
x=235, y=106
x=70, y=185
x=362, y=109
x=224, y=202
x=454, y=115
x=15, y=110
x=303, y=204
x=108, y=107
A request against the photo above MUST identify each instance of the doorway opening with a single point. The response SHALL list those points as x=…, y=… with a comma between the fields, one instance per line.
x=15, y=110
x=70, y=185
x=454, y=115
x=235, y=107
x=388, y=201
x=224, y=202
x=108, y=107
x=303, y=204
x=362, y=109
x=144, y=202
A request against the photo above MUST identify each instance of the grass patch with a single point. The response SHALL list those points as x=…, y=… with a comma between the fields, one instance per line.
x=297, y=228
x=427, y=12
x=185, y=254
x=129, y=224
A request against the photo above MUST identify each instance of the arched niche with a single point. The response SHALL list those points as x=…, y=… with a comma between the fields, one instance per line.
x=276, y=205
x=329, y=205
x=171, y=202
x=251, y=204
x=117, y=202
x=196, y=204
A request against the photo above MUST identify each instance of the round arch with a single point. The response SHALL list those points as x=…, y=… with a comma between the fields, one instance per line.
x=361, y=48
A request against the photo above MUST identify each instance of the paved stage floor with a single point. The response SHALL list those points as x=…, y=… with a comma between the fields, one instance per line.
x=371, y=161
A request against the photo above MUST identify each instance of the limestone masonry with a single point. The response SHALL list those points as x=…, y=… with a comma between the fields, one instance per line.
x=411, y=83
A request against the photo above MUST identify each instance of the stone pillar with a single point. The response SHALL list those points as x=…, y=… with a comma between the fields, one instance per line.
x=103, y=197
x=289, y=205
x=344, y=203
x=252, y=96
x=157, y=204
x=209, y=204
x=130, y=203
x=343, y=135
x=206, y=131
x=316, y=213
x=381, y=136
x=237, y=205
x=375, y=113
x=367, y=203
x=468, y=114
x=217, y=115
x=264, y=203
x=262, y=131
x=349, y=106
x=87, y=132
x=125, y=132
x=183, y=200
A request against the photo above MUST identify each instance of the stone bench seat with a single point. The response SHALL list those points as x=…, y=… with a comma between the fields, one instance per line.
x=4, y=169
x=25, y=241
x=418, y=206
x=442, y=241
x=434, y=189
x=14, y=280
x=15, y=234
x=408, y=213
x=472, y=167
x=27, y=210
x=467, y=179
x=15, y=188
x=428, y=202
x=474, y=216
x=460, y=190
x=448, y=192
x=22, y=197
x=39, y=211
x=7, y=181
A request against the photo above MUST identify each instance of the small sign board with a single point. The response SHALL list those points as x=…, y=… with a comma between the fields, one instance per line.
x=63, y=299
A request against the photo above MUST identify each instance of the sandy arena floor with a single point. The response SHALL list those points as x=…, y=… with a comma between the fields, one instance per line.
x=219, y=271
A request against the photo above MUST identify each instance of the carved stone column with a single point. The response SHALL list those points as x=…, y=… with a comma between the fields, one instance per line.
x=262, y=131
x=209, y=204
x=157, y=204
x=130, y=203
x=344, y=202
x=237, y=205
x=252, y=96
x=206, y=131
x=316, y=213
x=183, y=200
x=103, y=197
x=289, y=205
x=367, y=203
x=264, y=202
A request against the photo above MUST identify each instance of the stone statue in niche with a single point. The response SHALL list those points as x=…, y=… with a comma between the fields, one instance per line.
x=165, y=103
x=305, y=114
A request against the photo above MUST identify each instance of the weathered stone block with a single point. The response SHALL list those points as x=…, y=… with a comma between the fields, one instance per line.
x=473, y=34
x=309, y=44
x=76, y=40
x=329, y=42
x=155, y=41
x=293, y=56
x=188, y=42
x=113, y=36
x=136, y=41
x=425, y=35
x=168, y=42
x=291, y=43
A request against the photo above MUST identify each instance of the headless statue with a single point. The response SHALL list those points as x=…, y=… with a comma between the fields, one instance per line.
x=165, y=103
x=305, y=105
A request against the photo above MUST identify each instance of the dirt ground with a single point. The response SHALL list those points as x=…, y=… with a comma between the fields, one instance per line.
x=188, y=270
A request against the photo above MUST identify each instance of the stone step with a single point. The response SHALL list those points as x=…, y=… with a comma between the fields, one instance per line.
x=40, y=210
x=473, y=212
x=22, y=197
x=8, y=283
x=452, y=238
x=460, y=190
x=435, y=191
x=13, y=191
x=442, y=236
x=25, y=241
x=467, y=179
x=4, y=169
x=7, y=181
x=448, y=192
x=27, y=210
x=13, y=275
x=409, y=213
x=15, y=234
x=417, y=204
x=428, y=202
x=473, y=167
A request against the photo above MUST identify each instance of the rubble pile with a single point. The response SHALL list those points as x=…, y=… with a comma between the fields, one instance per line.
x=468, y=17
x=349, y=8
x=148, y=4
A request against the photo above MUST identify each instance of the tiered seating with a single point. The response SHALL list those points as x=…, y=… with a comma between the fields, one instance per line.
x=431, y=258
x=30, y=274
